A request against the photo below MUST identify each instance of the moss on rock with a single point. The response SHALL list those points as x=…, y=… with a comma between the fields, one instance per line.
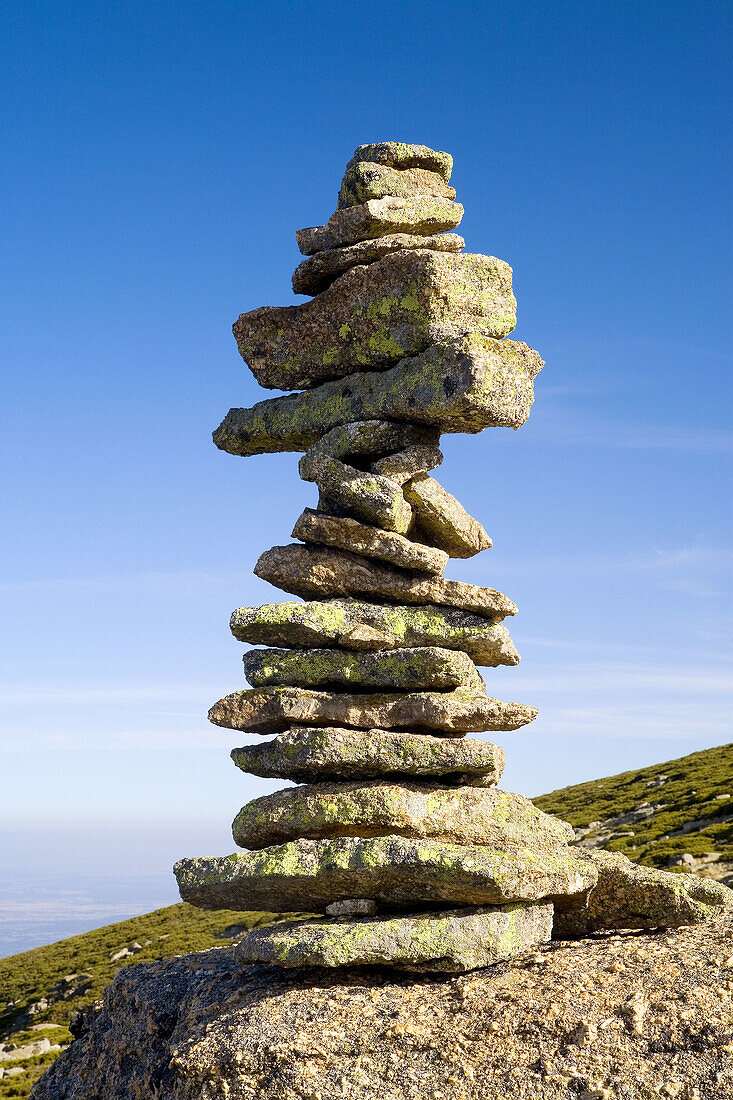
x=375, y=315
x=445, y=942
x=462, y=385
x=355, y=624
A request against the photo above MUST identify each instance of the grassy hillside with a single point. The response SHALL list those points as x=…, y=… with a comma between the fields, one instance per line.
x=41, y=990
x=638, y=812
x=657, y=814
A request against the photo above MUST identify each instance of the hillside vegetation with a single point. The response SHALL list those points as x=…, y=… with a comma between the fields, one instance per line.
x=42, y=990
x=678, y=811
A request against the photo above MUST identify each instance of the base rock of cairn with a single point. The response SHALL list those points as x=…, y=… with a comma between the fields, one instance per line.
x=397, y=834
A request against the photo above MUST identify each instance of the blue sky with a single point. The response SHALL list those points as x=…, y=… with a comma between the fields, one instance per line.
x=158, y=159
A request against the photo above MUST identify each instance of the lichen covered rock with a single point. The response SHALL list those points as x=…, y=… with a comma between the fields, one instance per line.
x=366, y=180
x=321, y=755
x=355, y=624
x=457, y=815
x=397, y=872
x=318, y=271
x=449, y=942
x=629, y=895
x=374, y=498
x=450, y=713
x=321, y=571
x=417, y=669
x=375, y=315
x=397, y=154
x=443, y=519
x=345, y=533
x=420, y=214
x=463, y=385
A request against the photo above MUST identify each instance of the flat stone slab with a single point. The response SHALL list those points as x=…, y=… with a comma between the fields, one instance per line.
x=450, y=713
x=387, y=447
x=318, y=271
x=373, y=497
x=629, y=895
x=464, y=385
x=323, y=754
x=307, y=875
x=321, y=571
x=448, y=942
x=457, y=815
x=345, y=533
x=398, y=155
x=417, y=669
x=367, y=180
x=443, y=519
x=420, y=214
x=354, y=624
x=377, y=314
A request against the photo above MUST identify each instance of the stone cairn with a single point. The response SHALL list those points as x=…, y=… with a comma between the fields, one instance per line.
x=396, y=831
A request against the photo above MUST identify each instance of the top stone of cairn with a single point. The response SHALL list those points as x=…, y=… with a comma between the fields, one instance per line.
x=395, y=154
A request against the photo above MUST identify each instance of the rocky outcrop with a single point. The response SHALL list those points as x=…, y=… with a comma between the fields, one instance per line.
x=614, y=1017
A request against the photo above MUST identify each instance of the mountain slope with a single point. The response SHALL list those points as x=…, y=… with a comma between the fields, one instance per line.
x=678, y=809
x=42, y=990
x=675, y=814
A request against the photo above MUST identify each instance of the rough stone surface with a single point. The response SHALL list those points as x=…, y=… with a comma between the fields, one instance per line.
x=364, y=626
x=421, y=215
x=396, y=154
x=397, y=872
x=451, y=713
x=628, y=895
x=628, y=1017
x=345, y=533
x=458, y=815
x=373, y=497
x=387, y=447
x=366, y=180
x=352, y=907
x=443, y=519
x=317, y=272
x=451, y=942
x=317, y=755
x=377, y=314
x=464, y=385
x=374, y=440
x=415, y=669
x=320, y=571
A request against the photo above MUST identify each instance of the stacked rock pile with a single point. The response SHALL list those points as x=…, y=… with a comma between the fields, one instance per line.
x=396, y=830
